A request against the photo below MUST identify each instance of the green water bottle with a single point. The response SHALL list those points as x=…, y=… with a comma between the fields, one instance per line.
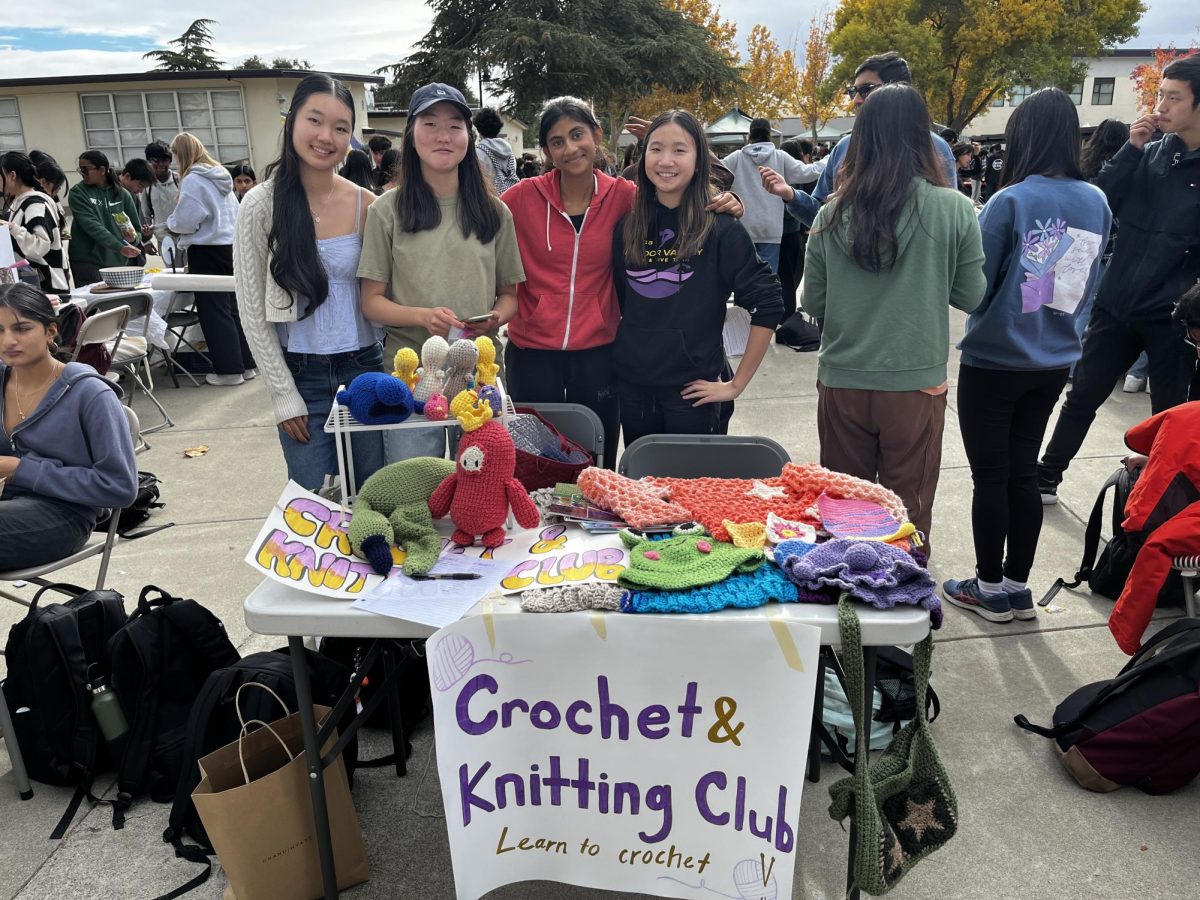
x=107, y=710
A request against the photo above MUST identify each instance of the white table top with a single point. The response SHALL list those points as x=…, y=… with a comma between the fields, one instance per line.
x=182, y=281
x=275, y=608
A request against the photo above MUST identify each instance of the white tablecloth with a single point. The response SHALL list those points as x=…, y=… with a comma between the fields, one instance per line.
x=162, y=303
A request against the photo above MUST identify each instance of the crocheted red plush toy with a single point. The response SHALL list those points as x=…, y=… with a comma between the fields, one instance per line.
x=478, y=494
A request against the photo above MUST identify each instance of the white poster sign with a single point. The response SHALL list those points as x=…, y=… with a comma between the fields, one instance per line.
x=640, y=754
x=303, y=544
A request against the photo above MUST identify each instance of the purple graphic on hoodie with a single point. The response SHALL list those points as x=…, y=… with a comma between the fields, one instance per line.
x=657, y=284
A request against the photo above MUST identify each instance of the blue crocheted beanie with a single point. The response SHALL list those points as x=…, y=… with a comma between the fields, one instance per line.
x=376, y=398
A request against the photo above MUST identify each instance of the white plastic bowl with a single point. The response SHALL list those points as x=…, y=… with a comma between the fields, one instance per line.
x=123, y=276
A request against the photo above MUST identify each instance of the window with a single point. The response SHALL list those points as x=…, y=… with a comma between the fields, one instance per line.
x=1102, y=91
x=11, y=136
x=1076, y=94
x=1019, y=93
x=121, y=125
x=999, y=101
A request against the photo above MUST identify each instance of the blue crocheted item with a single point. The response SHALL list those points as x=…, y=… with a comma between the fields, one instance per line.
x=744, y=590
x=376, y=398
x=791, y=547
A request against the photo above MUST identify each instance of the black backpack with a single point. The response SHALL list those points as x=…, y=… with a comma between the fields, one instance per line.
x=1107, y=575
x=159, y=661
x=213, y=723
x=1141, y=728
x=49, y=653
x=799, y=334
x=412, y=674
x=138, y=512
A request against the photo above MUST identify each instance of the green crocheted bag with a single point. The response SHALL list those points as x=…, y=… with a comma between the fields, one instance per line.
x=903, y=806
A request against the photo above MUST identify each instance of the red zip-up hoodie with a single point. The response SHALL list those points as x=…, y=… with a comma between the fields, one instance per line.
x=567, y=301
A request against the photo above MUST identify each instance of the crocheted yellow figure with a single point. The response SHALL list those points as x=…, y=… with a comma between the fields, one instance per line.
x=406, y=363
x=470, y=411
x=487, y=368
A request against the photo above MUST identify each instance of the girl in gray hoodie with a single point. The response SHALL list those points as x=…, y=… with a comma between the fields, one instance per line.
x=66, y=452
x=204, y=218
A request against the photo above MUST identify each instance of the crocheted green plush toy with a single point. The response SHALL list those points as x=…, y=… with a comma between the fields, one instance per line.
x=689, y=559
x=393, y=508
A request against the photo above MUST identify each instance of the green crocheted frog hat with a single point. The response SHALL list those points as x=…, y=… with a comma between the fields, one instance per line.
x=688, y=559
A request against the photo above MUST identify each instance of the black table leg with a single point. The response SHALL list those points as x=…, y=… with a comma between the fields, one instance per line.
x=814, y=740
x=865, y=717
x=399, y=747
x=312, y=757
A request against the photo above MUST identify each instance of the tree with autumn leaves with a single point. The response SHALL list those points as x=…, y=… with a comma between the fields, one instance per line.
x=965, y=54
x=1147, y=78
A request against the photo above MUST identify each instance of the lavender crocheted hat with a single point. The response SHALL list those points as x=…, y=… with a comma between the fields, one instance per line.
x=874, y=572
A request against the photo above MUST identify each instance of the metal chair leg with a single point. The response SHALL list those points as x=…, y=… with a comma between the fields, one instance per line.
x=24, y=789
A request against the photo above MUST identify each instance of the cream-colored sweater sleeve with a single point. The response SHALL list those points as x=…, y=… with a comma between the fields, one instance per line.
x=251, y=276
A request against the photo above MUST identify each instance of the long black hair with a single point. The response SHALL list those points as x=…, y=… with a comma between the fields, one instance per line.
x=22, y=166
x=29, y=303
x=1042, y=137
x=416, y=206
x=389, y=169
x=291, y=244
x=694, y=221
x=100, y=161
x=891, y=147
x=48, y=170
x=357, y=168
x=1109, y=137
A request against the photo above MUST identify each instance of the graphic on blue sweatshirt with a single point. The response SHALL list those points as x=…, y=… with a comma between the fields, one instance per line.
x=656, y=284
x=1057, y=261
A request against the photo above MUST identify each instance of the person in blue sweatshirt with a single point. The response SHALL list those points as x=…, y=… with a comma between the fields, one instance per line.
x=674, y=266
x=1044, y=234
x=66, y=453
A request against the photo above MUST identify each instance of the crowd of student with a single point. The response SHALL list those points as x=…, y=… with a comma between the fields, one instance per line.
x=614, y=291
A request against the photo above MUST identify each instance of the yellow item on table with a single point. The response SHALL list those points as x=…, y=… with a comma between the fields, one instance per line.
x=471, y=412
x=486, y=368
x=406, y=363
x=751, y=535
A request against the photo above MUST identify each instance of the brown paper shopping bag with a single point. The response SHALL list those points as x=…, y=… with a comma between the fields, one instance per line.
x=254, y=801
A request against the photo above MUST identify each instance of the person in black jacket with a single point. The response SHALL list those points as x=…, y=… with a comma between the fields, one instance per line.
x=1153, y=187
x=674, y=265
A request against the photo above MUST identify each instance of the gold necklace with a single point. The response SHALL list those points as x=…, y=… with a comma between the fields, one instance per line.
x=17, y=389
x=317, y=216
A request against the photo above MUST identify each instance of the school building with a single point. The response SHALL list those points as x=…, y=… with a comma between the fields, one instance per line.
x=236, y=113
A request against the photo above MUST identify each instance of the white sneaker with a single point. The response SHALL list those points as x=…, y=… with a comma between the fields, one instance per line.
x=224, y=380
x=1134, y=385
x=250, y=374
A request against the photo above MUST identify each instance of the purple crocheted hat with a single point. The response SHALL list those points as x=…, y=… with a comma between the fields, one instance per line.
x=874, y=572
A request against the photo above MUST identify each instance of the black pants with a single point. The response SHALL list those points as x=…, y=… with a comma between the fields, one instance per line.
x=35, y=529
x=218, y=312
x=1109, y=349
x=791, y=268
x=1003, y=414
x=661, y=410
x=567, y=376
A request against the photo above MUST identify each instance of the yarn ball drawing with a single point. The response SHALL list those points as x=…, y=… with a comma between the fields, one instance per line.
x=450, y=661
x=748, y=879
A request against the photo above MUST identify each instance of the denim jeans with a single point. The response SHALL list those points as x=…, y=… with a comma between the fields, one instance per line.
x=769, y=254
x=317, y=377
x=35, y=530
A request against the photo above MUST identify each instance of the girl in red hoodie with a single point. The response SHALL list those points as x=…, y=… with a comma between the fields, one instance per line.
x=560, y=341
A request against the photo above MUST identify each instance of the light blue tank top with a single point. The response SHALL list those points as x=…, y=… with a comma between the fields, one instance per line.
x=337, y=325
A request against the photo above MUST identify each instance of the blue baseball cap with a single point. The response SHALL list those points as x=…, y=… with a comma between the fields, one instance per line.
x=429, y=94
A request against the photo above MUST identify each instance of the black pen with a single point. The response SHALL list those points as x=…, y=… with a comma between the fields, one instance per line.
x=453, y=576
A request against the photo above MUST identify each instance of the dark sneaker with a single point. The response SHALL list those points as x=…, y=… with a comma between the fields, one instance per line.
x=966, y=595
x=1022, y=604
x=1047, y=487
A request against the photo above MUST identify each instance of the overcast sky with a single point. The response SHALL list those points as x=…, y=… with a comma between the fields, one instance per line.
x=109, y=36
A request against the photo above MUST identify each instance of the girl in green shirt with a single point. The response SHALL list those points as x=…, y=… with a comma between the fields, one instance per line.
x=99, y=237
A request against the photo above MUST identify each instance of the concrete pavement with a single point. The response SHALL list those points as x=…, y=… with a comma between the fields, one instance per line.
x=1027, y=831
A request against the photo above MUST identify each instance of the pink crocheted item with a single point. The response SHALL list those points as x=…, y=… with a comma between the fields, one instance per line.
x=712, y=500
x=640, y=503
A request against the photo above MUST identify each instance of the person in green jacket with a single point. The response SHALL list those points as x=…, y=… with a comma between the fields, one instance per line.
x=106, y=229
x=887, y=258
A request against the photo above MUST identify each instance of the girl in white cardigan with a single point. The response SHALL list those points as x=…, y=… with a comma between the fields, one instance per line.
x=299, y=236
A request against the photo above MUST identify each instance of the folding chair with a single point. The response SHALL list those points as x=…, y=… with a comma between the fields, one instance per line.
x=1189, y=569
x=99, y=543
x=703, y=455
x=576, y=422
x=106, y=327
x=129, y=357
x=180, y=316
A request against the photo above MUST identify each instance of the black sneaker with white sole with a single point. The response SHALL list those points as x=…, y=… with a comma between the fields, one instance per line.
x=1047, y=488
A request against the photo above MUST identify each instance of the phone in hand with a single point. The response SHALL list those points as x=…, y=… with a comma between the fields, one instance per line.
x=477, y=320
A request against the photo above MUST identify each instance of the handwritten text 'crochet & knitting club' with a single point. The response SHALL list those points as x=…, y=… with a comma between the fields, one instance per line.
x=720, y=800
